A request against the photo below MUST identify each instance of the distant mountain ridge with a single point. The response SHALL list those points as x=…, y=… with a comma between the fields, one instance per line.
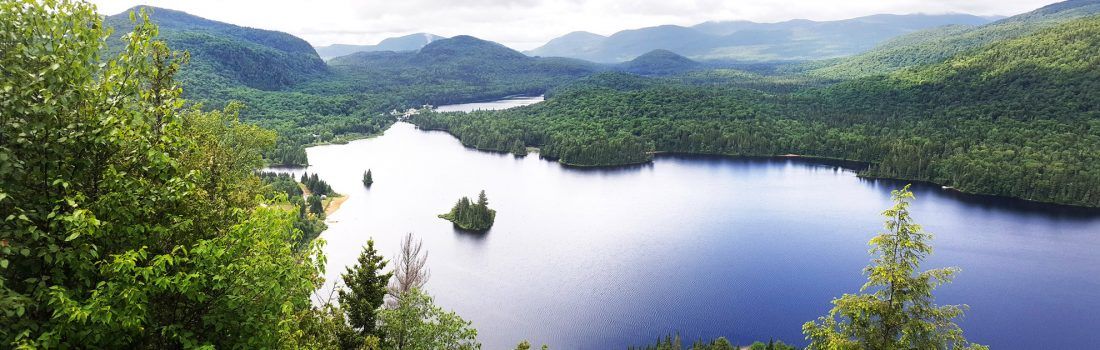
x=750, y=41
x=411, y=42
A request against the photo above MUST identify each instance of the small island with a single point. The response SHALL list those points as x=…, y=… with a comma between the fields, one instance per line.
x=368, y=179
x=471, y=216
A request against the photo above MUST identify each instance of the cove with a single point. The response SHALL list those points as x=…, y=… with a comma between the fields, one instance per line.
x=704, y=246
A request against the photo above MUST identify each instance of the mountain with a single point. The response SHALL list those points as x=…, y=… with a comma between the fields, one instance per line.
x=572, y=44
x=457, y=69
x=223, y=54
x=411, y=42
x=658, y=62
x=750, y=41
x=938, y=44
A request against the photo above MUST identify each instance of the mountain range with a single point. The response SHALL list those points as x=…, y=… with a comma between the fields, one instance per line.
x=750, y=41
x=411, y=42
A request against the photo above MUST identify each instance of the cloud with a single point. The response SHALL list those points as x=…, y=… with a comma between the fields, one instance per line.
x=524, y=24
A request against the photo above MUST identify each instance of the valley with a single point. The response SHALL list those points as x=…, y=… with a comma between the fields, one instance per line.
x=650, y=180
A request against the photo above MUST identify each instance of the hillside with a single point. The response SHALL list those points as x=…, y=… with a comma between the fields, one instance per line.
x=938, y=44
x=225, y=55
x=659, y=62
x=411, y=42
x=750, y=41
x=459, y=69
x=1016, y=119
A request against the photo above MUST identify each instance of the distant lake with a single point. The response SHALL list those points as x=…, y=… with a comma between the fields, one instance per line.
x=704, y=246
x=510, y=102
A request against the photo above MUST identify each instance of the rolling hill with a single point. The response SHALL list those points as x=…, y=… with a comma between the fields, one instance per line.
x=750, y=41
x=938, y=44
x=659, y=62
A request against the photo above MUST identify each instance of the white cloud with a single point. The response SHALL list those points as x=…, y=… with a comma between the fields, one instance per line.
x=524, y=24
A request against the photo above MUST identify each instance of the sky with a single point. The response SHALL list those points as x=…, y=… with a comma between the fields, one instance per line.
x=526, y=24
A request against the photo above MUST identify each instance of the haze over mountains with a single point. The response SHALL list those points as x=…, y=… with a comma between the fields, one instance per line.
x=409, y=42
x=717, y=40
x=750, y=41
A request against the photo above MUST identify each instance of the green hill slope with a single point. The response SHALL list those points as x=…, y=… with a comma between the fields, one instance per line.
x=938, y=44
x=224, y=55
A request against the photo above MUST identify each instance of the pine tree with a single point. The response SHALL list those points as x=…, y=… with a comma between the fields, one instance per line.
x=366, y=290
x=367, y=178
x=895, y=309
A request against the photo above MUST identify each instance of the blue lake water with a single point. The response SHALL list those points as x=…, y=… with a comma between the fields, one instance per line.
x=748, y=249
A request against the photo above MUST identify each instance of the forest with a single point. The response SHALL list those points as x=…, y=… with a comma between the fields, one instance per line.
x=1017, y=119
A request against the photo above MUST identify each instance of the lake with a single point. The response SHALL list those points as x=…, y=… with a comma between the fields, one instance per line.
x=704, y=246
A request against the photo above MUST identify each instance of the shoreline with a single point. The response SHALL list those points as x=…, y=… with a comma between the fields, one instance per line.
x=334, y=204
x=814, y=159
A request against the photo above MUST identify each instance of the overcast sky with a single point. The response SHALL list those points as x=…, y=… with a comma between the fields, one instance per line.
x=526, y=24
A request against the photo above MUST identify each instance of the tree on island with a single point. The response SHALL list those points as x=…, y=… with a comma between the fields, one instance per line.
x=472, y=216
x=367, y=178
x=899, y=312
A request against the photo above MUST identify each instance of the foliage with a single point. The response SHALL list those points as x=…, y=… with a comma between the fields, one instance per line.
x=526, y=345
x=416, y=323
x=895, y=309
x=770, y=345
x=671, y=342
x=282, y=186
x=366, y=289
x=130, y=221
x=472, y=216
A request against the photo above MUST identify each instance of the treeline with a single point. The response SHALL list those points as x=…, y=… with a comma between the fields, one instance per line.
x=677, y=343
x=315, y=185
x=1018, y=119
x=472, y=216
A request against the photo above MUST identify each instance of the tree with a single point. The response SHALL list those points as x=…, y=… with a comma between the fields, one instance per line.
x=366, y=290
x=316, y=206
x=471, y=216
x=410, y=269
x=131, y=221
x=895, y=309
x=368, y=179
x=416, y=323
x=526, y=345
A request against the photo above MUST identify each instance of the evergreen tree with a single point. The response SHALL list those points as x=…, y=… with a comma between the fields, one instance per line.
x=367, y=178
x=472, y=216
x=316, y=206
x=366, y=290
x=895, y=309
